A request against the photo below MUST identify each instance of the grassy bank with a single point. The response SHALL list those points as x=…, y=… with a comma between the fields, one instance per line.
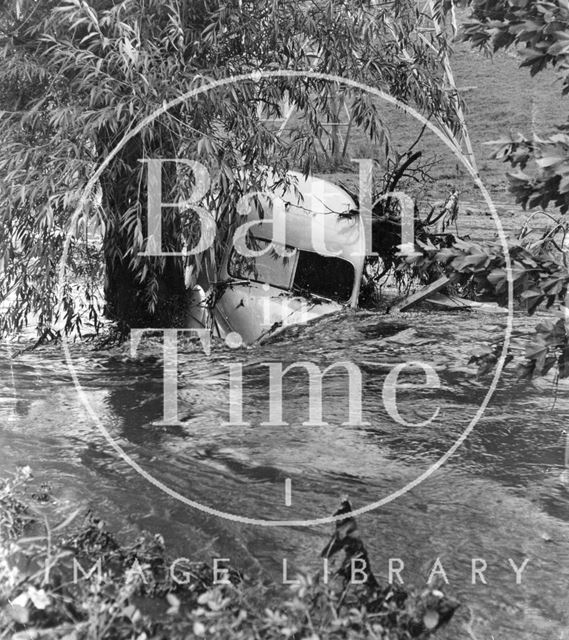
x=500, y=99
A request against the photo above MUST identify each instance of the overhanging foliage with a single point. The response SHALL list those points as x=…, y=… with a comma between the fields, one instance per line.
x=80, y=75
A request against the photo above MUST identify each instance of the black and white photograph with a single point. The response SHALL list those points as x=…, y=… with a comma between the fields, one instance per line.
x=284, y=319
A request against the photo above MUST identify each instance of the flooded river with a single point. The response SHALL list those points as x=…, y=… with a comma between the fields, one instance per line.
x=498, y=499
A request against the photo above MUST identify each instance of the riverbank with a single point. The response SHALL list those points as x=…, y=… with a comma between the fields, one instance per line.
x=75, y=581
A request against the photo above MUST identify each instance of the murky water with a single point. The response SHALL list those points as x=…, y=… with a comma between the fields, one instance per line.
x=497, y=498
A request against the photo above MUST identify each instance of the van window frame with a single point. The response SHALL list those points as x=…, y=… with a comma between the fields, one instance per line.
x=291, y=287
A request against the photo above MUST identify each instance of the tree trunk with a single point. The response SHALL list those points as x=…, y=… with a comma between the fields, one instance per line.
x=128, y=300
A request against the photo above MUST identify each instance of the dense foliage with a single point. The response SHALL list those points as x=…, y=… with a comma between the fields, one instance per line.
x=539, y=180
x=539, y=29
x=134, y=595
x=78, y=76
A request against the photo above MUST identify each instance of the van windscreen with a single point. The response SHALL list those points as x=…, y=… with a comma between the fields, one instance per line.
x=270, y=268
x=324, y=276
x=304, y=272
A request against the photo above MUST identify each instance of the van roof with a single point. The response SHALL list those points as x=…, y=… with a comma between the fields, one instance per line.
x=319, y=216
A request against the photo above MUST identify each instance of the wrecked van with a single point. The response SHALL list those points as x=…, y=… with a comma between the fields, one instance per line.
x=299, y=256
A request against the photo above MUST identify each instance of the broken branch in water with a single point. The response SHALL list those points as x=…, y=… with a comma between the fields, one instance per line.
x=392, y=605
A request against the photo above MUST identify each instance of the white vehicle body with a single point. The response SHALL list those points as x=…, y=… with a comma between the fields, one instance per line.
x=294, y=262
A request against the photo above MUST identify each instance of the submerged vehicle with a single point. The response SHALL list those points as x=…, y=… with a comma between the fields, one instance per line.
x=291, y=263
